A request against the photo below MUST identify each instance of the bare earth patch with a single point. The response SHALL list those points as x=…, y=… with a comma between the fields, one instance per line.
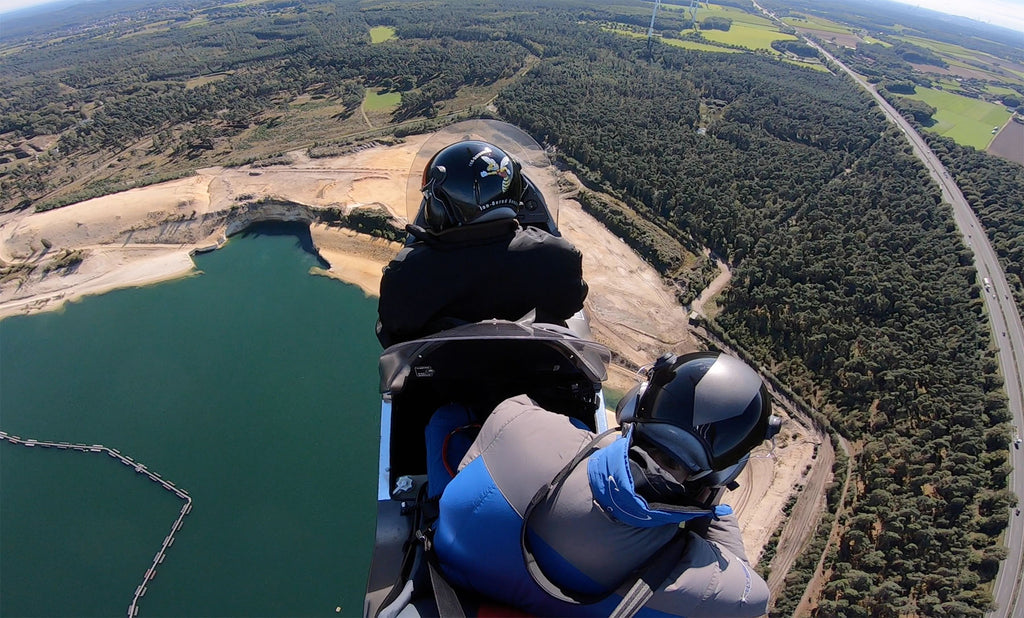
x=1009, y=142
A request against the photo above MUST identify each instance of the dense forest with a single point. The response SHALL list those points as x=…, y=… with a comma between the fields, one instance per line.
x=850, y=282
x=994, y=188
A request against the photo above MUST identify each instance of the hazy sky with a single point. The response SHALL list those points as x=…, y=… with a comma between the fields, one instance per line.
x=1008, y=13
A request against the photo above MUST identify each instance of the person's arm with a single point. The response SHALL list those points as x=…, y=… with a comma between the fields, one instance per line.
x=565, y=288
x=386, y=317
x=713, y=578
x=724, y=532
x=407, y=300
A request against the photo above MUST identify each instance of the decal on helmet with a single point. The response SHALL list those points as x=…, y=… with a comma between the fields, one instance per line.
x=503, y=169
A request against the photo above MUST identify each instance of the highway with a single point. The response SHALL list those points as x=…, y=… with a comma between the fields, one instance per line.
x=1007, y=333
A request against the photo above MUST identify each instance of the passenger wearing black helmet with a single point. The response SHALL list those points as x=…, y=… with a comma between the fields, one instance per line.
x=473, y=261
x=520, y=525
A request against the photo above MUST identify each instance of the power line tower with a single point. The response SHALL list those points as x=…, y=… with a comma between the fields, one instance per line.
x=650, y=30
x=692, y=9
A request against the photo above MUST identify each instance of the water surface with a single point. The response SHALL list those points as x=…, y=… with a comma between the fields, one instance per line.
x=252, y=386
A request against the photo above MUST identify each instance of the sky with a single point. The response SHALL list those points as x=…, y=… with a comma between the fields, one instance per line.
x=1007, y=13
x=9, y=5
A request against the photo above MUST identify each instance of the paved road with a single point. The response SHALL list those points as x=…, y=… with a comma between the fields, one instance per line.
x=1007, y=332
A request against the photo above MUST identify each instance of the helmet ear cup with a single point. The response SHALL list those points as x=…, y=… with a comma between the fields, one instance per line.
x=517, y=172
x=435, y=212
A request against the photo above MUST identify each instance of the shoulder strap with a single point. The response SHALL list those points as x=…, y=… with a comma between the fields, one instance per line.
x=562, y=594
x=446, y=598
x=651, y=576
x=646, y=579
x=422, y=512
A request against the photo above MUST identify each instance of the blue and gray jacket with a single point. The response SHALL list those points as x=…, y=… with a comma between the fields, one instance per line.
x=589, y=537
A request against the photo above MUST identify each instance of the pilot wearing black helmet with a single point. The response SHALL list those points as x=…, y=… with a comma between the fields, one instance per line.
x=546, y=517
x=473, y=261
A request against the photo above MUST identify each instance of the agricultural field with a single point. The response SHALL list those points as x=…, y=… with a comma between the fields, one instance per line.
x=811, y=22
x=736, y=15
x=747, y=35
x=748, y=30
x=971, y=63
x=824, y=29
x=700, y=46
x=1000, y=90
x=816, y=66
x=379, y=34
x=948, y=84
x=376, y=101
x=675, y=42
x=966, y=120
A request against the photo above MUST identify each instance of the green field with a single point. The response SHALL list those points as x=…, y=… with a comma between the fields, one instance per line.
x=1000, y=90
x=967, y=121
x=748, y=30
x=375, y=101
x=677, y=42
x=700, y=46
x=736, y=15
x=816, y=66
x=379, y=34
x=816, y=23
x=948, y=84
x=746, y=35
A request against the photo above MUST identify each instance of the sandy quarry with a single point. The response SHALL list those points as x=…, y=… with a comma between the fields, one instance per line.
x=147, y=235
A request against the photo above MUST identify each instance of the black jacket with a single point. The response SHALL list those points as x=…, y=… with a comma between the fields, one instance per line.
x=478, y=272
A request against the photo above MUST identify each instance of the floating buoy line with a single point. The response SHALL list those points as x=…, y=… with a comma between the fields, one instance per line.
x=140, y=590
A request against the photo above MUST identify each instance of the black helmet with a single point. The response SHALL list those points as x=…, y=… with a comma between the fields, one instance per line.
x=707, y=410
x=470, y=182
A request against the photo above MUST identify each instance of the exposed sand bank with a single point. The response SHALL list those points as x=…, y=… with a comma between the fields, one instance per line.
x=147, y=235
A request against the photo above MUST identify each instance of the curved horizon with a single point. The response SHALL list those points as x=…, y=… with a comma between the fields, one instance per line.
x=1000, y=13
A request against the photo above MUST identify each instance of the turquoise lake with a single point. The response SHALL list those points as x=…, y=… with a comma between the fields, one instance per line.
x=252, y=386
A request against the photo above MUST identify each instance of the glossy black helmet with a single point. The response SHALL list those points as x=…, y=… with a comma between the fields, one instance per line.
x=706, y=410
x=470, y=182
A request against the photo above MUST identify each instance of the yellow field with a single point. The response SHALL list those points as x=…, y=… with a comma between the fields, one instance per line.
x=379, y=34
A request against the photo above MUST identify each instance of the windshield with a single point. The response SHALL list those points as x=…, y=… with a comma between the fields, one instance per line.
x=492, y=343
x=537, y=167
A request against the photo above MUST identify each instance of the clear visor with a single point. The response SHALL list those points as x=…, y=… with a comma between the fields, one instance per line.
x=536, y=165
